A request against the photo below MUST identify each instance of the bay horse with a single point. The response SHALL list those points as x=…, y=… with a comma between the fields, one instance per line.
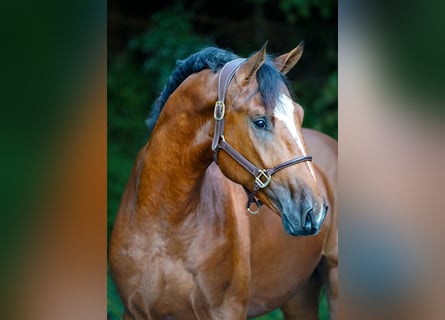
x=185, y=244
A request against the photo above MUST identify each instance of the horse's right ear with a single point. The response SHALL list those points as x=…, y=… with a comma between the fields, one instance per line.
x=249, y=68
x=287, y=61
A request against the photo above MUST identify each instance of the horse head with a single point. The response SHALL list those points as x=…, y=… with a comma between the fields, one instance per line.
x=263, y=125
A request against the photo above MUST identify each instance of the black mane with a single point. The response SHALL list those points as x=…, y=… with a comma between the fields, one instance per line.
x=269, y=79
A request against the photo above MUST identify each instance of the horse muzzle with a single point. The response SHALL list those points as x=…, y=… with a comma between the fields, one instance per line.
x=303, y=220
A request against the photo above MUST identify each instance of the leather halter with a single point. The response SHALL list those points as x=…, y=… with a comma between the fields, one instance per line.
x=262, y=176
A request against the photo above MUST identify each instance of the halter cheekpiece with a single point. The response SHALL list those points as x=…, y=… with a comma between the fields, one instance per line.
x=262, y=176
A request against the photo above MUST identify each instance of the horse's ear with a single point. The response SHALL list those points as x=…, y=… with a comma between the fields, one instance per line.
x=287, y=61
x=249, y=68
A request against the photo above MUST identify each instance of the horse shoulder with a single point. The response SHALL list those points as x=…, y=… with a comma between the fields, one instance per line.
x=127, y=246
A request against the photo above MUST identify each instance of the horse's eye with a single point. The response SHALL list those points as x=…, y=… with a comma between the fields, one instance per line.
x=260, y=123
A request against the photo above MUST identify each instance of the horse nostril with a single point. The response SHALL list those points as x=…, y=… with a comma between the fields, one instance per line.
x=307, y=222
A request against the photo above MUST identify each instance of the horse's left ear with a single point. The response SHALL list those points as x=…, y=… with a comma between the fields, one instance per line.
x=287, y=61
x=249, y=68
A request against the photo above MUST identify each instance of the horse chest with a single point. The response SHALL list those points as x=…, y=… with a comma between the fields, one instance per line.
x=169, y=283
x=184, y=277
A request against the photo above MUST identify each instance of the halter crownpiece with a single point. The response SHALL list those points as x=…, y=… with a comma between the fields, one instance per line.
x=225, y=76
x=262, y=176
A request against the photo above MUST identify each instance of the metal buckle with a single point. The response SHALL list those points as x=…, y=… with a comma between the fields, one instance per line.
x=220, y=109
x=262, y=184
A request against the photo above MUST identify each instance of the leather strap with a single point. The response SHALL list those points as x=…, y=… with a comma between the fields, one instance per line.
x=225, y=76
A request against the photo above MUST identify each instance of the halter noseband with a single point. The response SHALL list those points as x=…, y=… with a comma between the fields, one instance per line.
x=262, y=176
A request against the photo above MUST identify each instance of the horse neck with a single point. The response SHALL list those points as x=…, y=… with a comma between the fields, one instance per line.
x=179, y=151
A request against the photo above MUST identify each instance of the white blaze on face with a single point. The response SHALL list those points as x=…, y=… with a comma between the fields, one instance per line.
x=284, y=112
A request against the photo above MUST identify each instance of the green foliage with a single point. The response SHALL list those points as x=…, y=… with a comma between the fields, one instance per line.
x=297, y=9
x=321, y=110
x=170, y=37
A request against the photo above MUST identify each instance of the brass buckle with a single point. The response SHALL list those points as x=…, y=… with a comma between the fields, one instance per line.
x=260, y=181
x=220, y=108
